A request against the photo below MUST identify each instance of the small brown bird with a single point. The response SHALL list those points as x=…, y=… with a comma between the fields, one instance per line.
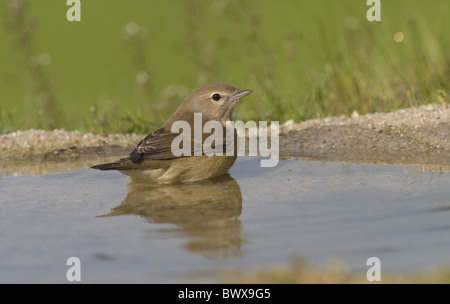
x=153, y=158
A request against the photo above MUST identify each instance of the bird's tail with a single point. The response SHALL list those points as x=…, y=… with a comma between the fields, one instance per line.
x=121, y=164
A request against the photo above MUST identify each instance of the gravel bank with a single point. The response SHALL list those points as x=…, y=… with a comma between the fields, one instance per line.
x=23, y=144
x=414, y=136
x=40, y=152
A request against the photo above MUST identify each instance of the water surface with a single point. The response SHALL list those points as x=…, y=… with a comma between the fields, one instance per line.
x=124, y=231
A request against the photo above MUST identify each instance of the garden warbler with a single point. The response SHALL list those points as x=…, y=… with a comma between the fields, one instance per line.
x=153, y=158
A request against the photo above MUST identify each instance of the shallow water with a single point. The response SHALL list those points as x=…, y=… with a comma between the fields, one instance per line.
x=258, y=217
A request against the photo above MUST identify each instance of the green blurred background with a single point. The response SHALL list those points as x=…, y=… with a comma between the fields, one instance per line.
x=128, y=64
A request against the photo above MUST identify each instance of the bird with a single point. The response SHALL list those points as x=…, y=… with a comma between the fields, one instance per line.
x=153, y=159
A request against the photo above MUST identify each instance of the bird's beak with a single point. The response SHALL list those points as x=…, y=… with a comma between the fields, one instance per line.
x=240, y=94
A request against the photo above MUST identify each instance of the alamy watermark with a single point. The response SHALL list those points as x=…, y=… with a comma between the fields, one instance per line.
x=73, y=274
x=374, y=12
x=374, y=272
x=74, y=12
x=192, y=144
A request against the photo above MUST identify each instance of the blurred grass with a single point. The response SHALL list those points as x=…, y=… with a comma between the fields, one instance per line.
x=126, y=66
x=299, y=272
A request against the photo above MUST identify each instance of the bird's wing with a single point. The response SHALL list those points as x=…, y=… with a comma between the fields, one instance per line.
x=156, y=145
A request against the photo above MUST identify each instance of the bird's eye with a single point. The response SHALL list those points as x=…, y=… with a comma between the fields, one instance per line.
x=216, y=97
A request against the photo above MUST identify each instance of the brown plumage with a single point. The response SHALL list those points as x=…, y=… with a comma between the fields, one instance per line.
x=153, y=158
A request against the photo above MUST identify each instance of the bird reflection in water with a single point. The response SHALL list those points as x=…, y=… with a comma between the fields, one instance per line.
x=206, y=211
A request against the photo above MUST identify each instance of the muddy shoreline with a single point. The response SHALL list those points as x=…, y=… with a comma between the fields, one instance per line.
x=413, y=136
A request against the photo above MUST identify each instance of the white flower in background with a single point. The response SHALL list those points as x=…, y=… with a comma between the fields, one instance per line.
x=142, y=77
x=398, y=37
